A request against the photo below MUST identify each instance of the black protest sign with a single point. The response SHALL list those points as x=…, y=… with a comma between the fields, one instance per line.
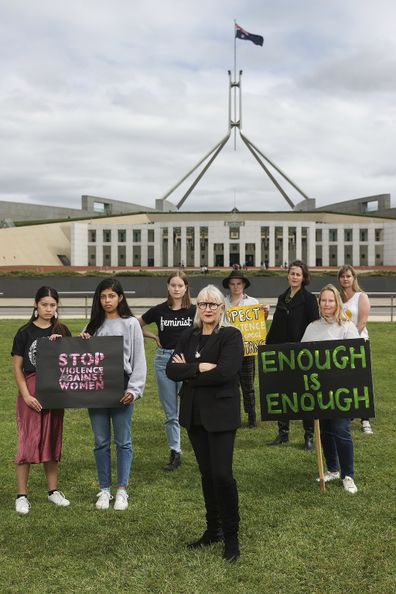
x=316, y=380
x=80, y=373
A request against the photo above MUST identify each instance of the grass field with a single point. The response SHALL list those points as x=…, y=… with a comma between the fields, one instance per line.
x=294, y=539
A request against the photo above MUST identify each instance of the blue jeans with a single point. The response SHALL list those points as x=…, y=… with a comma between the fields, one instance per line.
x=121, y=420
x=337, y=445
x=168, y=394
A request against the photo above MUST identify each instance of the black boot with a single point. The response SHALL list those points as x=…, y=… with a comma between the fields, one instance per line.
x=229, y=510
x=207, y=538
x=213, y=532
x=231, y=548
x=282, y=437
x=174, y=461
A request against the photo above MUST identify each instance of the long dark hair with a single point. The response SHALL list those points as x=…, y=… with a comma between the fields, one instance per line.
x=97, y=312
x=56, y=325
x=186, y=300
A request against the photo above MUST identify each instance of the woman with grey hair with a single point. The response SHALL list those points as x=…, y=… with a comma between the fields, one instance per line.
x=207, y=359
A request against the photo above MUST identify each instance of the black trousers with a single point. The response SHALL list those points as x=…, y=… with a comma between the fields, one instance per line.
x=214, y=453
x=246, y=380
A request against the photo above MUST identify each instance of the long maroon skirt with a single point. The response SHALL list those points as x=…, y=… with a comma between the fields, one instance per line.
x=39, y=434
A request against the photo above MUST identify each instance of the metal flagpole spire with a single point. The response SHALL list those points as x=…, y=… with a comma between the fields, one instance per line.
x=234, y=81
x=234, y=121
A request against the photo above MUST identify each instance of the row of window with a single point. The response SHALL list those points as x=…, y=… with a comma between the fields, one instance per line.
x=348, y=235
x=234, y=234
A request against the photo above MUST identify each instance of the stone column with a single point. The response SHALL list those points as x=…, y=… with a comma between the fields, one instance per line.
x=143, y=246
x=271, y=246
x=183, y=244
x=298, y=242
x=325, y=246
x=197, y=247
x=371, y=246
x=285, y=244
x=170, y=247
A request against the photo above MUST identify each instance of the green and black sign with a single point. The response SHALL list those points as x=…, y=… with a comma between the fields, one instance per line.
x=316, y=380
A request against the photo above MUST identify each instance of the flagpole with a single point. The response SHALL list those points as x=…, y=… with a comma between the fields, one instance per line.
x=234, y=81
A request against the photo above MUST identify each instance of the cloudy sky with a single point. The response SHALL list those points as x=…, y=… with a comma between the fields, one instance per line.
x=120, y=98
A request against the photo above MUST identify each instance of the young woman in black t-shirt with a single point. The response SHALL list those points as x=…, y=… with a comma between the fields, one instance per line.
x=171, y=317
x=39, y=431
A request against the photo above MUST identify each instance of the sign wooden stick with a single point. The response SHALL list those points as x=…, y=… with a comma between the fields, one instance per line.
x=318, y=448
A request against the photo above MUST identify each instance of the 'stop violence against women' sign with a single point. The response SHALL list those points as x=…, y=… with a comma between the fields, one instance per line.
x=79, y=373
x=316, y=380
x=250, y=319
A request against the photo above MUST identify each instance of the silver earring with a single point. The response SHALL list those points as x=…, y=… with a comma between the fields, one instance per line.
x=55, y=315
x=35, y=313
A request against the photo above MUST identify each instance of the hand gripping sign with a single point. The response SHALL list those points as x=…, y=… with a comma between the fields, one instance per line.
x=80, y=373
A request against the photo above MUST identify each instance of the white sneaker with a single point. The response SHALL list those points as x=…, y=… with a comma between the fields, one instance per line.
x=104, y=498
x=22, y=505
x=330, y=476
x=121, y=501
x=366, y=427
x=349, y=484
x=59, y=499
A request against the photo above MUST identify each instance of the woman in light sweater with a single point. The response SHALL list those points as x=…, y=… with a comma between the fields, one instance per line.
x=335, y=434
x=111, y=316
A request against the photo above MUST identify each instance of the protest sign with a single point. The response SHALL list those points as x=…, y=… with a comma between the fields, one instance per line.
x=80, y=373
x=250, y=319
x=316, y=380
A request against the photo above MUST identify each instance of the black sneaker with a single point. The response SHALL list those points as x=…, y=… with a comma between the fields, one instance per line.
x=174, y=461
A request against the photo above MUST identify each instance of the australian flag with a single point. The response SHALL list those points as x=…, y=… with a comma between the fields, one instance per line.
x=242, y=34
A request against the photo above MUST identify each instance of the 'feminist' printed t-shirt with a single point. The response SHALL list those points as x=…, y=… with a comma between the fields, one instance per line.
x=170, y=323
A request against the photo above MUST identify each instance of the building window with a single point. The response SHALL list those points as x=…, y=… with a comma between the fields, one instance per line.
x=318, y=235
x=137, y=236
x=347, y=234
x=91, y=235
x=234, y=232
x=332, y=234
x=150, y=235
x=106, y=236
x=379, y=235
x=363, y=234
x=121, y=236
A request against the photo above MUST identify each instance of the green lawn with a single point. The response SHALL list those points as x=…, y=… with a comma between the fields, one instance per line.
x=294, y=539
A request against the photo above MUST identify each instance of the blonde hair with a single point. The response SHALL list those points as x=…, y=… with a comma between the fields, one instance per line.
x=339, y=314
x=210, y=291
x=355, y=285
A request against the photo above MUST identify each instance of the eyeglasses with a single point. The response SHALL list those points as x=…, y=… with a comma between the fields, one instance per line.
x=212, y=306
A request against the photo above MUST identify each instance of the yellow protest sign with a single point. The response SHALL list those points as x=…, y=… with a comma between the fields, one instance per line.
x=250, y=319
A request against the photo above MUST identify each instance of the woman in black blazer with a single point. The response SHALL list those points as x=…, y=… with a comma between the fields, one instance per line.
x=296, y=308
x=207, y=359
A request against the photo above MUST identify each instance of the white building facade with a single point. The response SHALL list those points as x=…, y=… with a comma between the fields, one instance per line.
x=223, y=239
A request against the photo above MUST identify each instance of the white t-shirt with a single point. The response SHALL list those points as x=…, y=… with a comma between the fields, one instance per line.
x=351, y=308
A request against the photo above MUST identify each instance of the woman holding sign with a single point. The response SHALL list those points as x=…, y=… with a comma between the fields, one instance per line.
x=171, y=318
x=335, y=433
x=356, y=305
x=207, y=359
x=39, y=431
x=295, y=309
x=111, y=316
x=236, y=282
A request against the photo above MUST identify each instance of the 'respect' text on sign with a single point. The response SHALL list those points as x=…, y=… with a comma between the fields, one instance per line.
x=316, y=380
x=79, y=373
x=250, y=319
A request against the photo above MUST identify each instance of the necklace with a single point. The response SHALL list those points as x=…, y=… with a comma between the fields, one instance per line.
x=203, y=339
